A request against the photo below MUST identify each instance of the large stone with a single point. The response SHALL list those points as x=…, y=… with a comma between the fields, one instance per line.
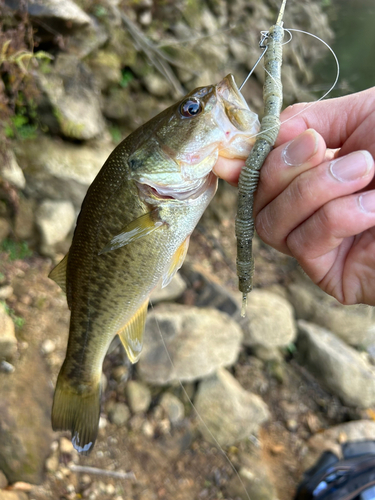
x=229, y=412
x=332, y=439
x=58, y=170
x=354, y=324
x=269, y=320
x=8, y=341
x=25, y=419
x=337, y=366
x=47, y=10
x=74, y=98
x=11, y=171
x=198, y=342
x=55, y=220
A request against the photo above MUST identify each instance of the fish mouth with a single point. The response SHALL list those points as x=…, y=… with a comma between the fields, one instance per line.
x=154, y=193
x=238, y=124
x=228, y=90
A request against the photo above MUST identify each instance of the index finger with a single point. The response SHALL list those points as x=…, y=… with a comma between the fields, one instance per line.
x=335, y=119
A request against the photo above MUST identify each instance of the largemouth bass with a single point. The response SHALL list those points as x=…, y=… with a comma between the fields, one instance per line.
x=133, y=231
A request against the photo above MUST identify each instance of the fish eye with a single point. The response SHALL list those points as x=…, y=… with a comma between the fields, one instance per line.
x=191, y=107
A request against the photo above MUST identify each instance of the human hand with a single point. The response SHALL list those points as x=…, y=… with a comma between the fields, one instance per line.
x=316, y=194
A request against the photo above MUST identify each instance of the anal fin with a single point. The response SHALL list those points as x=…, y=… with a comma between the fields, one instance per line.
x=58, y=273
x=131, y=335
x=176, y=262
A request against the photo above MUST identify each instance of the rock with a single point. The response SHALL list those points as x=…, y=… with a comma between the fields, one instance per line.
x=171, y=292
x=8, y=341
x=120, y=373
x=106, y=67
x=6, y=367
x=138, y=396
x=13, y=495
x=337, y=366
x=119, y=414
x=52, y=463
x=58, y=170
x=230, y=413
x=332, y=439
x=269, y=320
x=207, y=293
x=49, y=10
x=87, y=39
x=12, y=172
x=22, y=486
x=256, y=481
x=24, y=224
x=48, y=346
x=55, y=220
x=25, y=422
x=157, y=85
x=173, y=407
x=6, y=291
x=198, y=341
x=3, y=481
x=4, y=228
x=353, y=324
x=74, y=99
x=66, y=446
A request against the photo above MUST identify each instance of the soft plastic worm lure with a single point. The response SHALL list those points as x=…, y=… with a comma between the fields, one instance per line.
x=272, y=97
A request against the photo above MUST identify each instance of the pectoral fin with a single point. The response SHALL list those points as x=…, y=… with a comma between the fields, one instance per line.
x=131, y=335
x=176, y=262
x=138, y=228
x=58, y=273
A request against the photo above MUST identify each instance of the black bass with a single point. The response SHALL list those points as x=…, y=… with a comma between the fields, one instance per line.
x=133, y=231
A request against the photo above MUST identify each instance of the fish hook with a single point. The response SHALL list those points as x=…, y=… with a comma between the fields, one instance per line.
x=262, y=45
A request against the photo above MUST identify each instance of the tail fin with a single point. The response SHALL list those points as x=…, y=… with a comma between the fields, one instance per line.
x=77, y=410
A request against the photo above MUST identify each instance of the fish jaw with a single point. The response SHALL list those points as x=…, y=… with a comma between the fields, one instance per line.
x=238, y=123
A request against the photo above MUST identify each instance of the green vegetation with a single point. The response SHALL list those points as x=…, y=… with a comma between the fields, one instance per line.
x=126, y=78
x=17, y=320
x=116, y=134
x=15, y=250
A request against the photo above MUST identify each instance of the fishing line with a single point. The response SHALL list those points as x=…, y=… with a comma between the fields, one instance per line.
x=328, y=91
x=197, y=413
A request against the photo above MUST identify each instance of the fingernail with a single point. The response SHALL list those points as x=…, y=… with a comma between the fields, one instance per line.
x=301, y=149
x=352, y=166
x=367, y=202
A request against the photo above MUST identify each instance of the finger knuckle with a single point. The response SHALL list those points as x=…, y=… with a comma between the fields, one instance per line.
x=328, y=222
x=301, y=189
x=264, y=226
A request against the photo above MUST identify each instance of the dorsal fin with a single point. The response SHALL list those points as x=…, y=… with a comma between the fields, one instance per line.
x=58, y=273
x=131, y=335
x=176, y=262
x=138, y=228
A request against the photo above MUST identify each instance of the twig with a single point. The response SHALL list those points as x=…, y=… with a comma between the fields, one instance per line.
x=102, y=472
x=156, y=56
